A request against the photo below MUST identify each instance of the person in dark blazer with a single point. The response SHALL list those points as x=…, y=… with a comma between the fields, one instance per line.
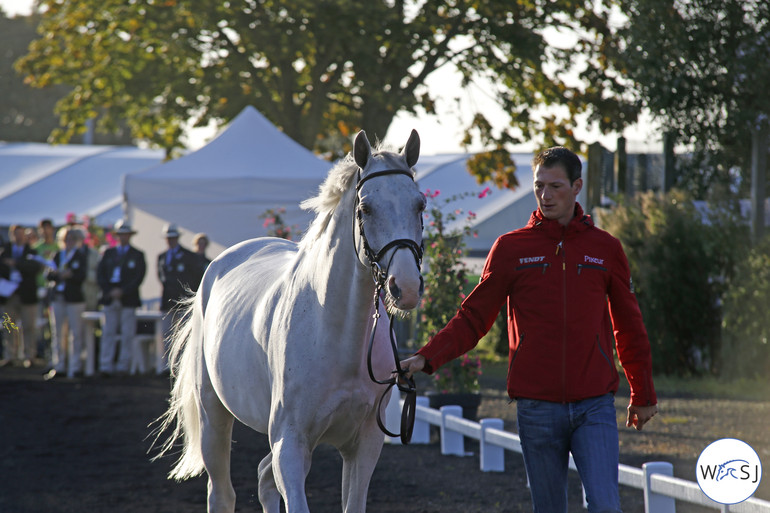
x=200, y=243
x=18, y=264
x=68, y=303
x=120, y=273
x=178, y=272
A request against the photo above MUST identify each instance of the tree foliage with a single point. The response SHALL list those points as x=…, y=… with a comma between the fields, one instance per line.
x=701, y=68
x=314, y=67
x=682, y=262
x=25, y=114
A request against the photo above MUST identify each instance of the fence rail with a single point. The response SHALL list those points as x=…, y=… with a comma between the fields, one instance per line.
x=656, y=479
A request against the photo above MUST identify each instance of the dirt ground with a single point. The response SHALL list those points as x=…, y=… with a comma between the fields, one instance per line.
x=74, y=445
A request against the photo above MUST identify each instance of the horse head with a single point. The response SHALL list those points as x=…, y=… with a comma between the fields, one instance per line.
x=389, y=210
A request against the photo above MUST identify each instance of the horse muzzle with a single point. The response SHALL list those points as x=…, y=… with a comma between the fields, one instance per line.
x=404, y=284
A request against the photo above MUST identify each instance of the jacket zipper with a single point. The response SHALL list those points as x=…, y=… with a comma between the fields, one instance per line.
x=560, y=249
x=601, y=350
x=544, y=265
x=590, y=266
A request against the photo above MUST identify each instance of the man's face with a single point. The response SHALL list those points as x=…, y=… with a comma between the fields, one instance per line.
x=555, y=195
x=19, y=237
x=124, y=238
x=172, y=242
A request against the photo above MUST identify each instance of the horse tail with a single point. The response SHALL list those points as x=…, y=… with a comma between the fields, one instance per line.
x=183, y=415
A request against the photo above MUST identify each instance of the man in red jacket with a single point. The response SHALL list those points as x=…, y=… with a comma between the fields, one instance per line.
x=567, y=285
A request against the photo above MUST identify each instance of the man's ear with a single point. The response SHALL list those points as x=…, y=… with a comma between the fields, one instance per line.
x=577, y=186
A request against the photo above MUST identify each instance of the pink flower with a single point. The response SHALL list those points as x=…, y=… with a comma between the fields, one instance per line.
x=71, y=218
x=484, y=193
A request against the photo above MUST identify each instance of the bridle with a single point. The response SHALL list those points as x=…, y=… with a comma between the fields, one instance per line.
x=403, y=382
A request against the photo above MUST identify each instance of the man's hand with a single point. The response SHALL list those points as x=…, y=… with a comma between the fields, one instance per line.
x=413, y=364
x=639, y=415
x=116, y=293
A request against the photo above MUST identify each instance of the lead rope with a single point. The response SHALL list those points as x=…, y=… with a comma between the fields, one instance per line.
x=409, y=388
x=401, y=380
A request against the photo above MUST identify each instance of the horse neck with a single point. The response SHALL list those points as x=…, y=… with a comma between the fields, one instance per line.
x=343, y=285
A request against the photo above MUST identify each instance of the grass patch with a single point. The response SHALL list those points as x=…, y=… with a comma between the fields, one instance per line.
x=707, y=387
x=714, y=387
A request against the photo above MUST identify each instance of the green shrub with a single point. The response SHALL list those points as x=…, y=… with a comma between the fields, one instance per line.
x=682, y=260
x=746, y=323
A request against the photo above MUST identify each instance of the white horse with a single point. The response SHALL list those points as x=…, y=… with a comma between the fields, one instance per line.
x=277, y=334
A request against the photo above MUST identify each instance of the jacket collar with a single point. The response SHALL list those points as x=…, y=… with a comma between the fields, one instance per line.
x=580, y=222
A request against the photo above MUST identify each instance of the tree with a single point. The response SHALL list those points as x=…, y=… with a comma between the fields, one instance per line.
x=26, y=114
x=312, y=67
x=701, y=67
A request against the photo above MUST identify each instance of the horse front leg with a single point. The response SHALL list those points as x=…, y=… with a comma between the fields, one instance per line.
x=358, y=462
x=291, y=465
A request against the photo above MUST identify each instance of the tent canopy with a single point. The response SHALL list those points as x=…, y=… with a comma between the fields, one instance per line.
x=222, y=189
x=45, y=181
x=497, y=211
x=225, y=186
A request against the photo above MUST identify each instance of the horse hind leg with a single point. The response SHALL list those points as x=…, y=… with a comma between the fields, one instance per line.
x=269, y=496
x=216, y=440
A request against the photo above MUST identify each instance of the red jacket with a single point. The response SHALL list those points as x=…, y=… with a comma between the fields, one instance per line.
x=557, y=281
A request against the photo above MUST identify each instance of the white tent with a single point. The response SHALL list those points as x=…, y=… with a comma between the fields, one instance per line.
x=46, y=181
x=222, y=189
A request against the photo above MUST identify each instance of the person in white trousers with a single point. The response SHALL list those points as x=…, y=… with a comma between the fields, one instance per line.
x=120, y=273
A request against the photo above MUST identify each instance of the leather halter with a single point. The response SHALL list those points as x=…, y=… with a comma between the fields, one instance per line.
x=379, y=275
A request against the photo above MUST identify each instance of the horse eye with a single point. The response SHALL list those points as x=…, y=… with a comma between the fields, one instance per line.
x=365, y=209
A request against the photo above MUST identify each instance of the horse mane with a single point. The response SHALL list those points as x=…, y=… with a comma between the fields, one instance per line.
x=339, y=180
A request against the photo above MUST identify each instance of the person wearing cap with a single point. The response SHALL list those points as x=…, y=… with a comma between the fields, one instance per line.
x=177, y=272
x=120, y=273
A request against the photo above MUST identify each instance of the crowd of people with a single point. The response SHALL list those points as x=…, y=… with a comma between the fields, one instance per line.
x=50, y=277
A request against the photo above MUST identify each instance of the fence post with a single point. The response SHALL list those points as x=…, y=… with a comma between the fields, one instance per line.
x=452, y=442
x=421, y=432
x=654, y=503
x=492, y=456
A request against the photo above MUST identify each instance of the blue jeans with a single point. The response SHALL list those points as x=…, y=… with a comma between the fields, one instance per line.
x=550, y=431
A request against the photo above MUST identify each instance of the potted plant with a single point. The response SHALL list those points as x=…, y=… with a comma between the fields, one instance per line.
x=457, y=382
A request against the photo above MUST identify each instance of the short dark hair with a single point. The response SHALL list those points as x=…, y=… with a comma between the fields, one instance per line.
x=559, y=155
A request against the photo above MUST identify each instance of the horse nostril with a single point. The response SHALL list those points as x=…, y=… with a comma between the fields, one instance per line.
x=393, y=289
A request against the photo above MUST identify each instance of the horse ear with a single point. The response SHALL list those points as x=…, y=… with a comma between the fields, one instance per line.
x=412, y=148
x=362, y=150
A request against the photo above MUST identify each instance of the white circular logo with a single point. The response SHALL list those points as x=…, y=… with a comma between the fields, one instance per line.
x=729, y=471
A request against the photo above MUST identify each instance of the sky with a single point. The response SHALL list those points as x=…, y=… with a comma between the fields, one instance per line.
x=442, y=133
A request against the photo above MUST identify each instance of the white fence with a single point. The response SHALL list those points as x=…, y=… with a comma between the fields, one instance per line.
x=655, y=479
